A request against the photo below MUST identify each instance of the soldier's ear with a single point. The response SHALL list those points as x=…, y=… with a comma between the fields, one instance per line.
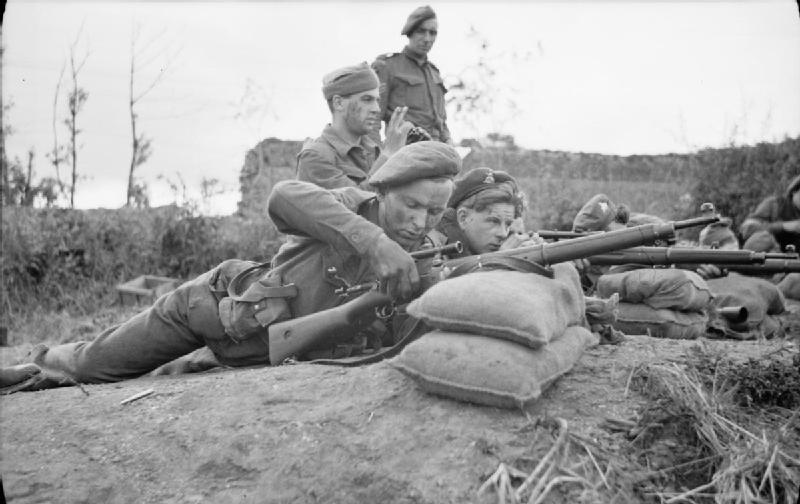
x=462, y=214
x=337, y=102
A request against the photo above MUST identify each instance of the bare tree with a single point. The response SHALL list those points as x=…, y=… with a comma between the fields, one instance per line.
x=76, y=99
x=4, y=130
x=141, y=145
x=57, y=155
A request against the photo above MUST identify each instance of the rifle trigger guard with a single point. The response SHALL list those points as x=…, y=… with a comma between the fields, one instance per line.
x=385, y=312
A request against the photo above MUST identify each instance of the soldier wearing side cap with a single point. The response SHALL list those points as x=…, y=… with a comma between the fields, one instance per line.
x=484, y=214
x=366, y=236
x=409, y=79
x=344, y=155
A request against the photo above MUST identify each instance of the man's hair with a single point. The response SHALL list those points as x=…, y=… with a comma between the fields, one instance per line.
x=503, y=192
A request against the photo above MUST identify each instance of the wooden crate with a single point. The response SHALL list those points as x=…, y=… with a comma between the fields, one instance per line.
x=145, y=289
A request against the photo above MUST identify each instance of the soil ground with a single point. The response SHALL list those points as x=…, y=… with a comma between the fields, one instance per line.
x=304, y=433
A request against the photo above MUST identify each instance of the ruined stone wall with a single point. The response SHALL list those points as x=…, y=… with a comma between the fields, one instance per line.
x=269, y=162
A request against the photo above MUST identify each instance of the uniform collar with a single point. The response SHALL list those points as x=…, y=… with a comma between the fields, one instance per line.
x=413, y=57
x=342, y=146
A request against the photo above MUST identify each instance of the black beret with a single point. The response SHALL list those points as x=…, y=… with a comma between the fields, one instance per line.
x=420, y=160
x=475, y=181
x=416, y=18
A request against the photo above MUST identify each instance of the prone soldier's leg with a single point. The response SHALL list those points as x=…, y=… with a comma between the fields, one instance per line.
x=151, y=338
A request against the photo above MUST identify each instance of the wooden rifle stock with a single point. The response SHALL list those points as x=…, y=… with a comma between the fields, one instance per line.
x=325, y=328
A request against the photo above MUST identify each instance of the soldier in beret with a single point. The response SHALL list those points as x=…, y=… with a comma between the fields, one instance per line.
x=344, y=155
x=409, y=79
x=484, y=214
x=366, y=236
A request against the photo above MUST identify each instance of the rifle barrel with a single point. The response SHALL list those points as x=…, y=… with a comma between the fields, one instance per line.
x=656, y=256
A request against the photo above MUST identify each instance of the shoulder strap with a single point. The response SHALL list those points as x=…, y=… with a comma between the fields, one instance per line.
x=262, y=289
x=503, y=263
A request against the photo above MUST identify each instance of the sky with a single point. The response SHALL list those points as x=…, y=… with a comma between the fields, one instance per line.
x=625, y=77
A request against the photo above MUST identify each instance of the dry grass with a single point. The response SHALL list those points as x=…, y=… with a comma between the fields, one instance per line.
x=730, y=453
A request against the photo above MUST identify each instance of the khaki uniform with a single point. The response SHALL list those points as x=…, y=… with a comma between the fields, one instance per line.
x=329, y=228
x=406, y=81
x=331, y=162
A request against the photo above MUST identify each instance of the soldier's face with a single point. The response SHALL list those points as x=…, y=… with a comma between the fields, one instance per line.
x=485, y=231
x=407, y=213
x=362, y=112
x=421, y=40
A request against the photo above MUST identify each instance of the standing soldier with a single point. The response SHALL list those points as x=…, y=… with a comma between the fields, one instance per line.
x=344, y=155
x=409, y=79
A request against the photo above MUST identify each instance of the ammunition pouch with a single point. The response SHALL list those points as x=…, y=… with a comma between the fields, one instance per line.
x=256, y=298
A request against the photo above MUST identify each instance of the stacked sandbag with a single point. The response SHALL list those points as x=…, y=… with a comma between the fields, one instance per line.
x=790, y=286
x=500, y=337
x=660, y=302
x=761, y=298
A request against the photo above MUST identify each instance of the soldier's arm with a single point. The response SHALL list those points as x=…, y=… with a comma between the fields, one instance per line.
x=765, y=217
x=315, y=168
x=305, y=209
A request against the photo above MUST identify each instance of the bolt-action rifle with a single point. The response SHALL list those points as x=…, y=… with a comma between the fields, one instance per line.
x=323, y=329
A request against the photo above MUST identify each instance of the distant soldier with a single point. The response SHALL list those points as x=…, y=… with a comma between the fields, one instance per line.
x=409, y=79
x=344, y=156
x=484, y=213
x=778, y=216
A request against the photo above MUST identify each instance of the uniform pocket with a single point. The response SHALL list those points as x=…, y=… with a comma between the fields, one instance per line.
x=410, y=91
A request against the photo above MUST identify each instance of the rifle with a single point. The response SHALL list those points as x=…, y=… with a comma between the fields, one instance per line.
x=592, y=244
x=298, y=335
x=769, y=267
x=548, y=234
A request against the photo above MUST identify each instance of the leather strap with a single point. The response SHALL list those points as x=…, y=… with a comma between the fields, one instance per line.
x=256, y=293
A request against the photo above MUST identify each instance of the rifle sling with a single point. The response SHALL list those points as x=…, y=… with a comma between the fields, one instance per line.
x=384, y=353
x=504, y=263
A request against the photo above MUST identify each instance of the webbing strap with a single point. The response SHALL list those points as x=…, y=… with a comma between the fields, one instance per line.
x=503, y=263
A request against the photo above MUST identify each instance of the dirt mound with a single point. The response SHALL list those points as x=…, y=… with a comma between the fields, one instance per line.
x=302, y=433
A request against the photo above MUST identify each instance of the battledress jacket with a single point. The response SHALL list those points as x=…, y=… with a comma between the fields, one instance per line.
x=331, y=162
x=406, y=81
x=773, y=211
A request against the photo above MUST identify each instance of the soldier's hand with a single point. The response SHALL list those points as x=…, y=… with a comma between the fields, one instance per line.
x=709, y=271
x=395, y=268
x=396, y=131
x=792, y=226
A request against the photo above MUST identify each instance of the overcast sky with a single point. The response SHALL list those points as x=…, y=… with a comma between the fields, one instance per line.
x=608, y=77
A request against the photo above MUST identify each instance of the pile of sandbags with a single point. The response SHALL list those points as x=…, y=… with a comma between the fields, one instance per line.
x=500, y=337
x=664, y=303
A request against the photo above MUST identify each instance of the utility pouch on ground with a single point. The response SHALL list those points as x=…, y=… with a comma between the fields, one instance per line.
x=256, y=298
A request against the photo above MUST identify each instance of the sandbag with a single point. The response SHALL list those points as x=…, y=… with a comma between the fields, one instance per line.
x=790, y=286
x=673, y=289
x=490, y=371
x=637, y=319
x=761, y=298
x=525, y=308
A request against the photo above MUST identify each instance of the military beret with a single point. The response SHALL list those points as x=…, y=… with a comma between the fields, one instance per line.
x=420, y=160
x=599, y=214
x=718, y=233
x=416, y=18
x=349, y=80
x=477, y=180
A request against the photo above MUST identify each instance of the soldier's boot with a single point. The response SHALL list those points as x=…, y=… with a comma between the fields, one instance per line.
x=14, y=378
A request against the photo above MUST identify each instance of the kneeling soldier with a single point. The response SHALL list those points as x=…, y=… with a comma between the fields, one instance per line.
x=365, y=236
